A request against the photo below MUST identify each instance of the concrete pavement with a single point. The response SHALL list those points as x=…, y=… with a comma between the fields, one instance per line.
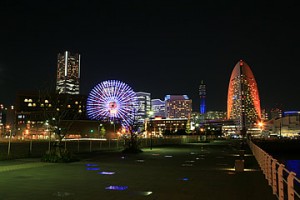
x=191, y=171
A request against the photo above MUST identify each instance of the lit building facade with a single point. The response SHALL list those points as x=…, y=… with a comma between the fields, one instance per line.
x=68, y=73
x=7, y=120
x=33, y=110
x=158, y=107
x=159, y=126
x=144, y=105
x=276, y=113
x=178, y=106
x=286, y=126
x=215, y=115
x=243, y=102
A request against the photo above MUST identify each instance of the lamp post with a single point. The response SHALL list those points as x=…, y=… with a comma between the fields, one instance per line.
x=261, y=124
x=9, y=141
x=280, y=127
x=150, y=114
x=49, y=132
x=113, y=123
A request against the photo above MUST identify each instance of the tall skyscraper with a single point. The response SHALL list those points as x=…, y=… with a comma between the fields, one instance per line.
x=243, y=103
x=202, y=94
x=68, y=73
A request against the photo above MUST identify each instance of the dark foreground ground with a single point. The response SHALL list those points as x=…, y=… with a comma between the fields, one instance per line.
x=193, y=171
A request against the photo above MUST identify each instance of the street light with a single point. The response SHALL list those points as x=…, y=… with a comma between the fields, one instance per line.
x=9, y=140
x=112, y=122
x=260, y=125
x=150, y=114
x=99, y=129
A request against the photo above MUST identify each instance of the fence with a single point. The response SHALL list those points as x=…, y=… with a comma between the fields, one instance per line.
x=284, y=183
x=36, y=148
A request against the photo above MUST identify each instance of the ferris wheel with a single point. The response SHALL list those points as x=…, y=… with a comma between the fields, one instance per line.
x=113, y=100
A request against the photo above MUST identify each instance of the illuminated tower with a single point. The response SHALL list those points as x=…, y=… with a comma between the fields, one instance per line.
x=68, y=73
x=202, y=94
x=243, y=103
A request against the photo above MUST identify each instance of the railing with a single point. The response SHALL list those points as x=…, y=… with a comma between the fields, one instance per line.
x=284, y=183
x=37, y=148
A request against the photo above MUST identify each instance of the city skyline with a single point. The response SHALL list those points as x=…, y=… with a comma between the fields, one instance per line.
x=158, y=47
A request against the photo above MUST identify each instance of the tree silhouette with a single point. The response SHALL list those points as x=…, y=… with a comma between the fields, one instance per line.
x=132, y=143
x=59, y=112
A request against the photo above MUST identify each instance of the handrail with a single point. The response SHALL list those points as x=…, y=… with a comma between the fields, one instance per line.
x=279, y=178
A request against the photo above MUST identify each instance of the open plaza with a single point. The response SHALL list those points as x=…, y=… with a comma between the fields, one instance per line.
x=205, y=171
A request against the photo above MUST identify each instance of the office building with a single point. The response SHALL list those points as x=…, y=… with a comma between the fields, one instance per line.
x=68, y=73
x=144, y=105
x=178, y=106
x=158, y=108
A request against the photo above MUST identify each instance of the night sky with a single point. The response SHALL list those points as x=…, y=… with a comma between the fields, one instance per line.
x=160, y=47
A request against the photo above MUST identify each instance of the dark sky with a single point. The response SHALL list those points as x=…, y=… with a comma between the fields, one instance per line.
x=161, y=47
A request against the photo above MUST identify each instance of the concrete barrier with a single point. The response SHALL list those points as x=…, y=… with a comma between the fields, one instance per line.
x=239, y=165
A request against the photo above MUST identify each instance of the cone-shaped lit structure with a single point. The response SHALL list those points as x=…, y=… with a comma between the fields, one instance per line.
x=243, y=103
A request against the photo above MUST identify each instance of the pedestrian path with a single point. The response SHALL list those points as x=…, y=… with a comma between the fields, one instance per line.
x=204, y=171
x=20, y=166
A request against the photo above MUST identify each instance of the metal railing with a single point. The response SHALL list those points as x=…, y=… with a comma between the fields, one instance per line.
x=284, y=183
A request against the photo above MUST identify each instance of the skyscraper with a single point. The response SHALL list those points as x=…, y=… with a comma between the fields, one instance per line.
x=243, y=103
x=68, y=73
x=202, y=94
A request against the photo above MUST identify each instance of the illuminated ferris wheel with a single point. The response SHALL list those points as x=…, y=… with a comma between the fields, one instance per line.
x=113, y=100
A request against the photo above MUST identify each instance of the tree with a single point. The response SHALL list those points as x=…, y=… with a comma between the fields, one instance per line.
x=102, y=131
x=132, y=143
x=188, y=126
x=60, y=111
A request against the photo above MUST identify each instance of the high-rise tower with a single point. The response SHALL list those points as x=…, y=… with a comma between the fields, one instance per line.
x=202, y=94
x=243, y=103
x=68, y=73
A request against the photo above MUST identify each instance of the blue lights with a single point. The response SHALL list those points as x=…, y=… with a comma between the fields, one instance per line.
x=91, y=165
x=92, y=168
x=116, y=187
x=106, y=173
x=202, y=106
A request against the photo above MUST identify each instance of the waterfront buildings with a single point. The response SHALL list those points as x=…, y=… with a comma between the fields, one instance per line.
x=36, y=114
x=215, y=115
x=144, y=105
x=159, y=126
x=286, y=126
x=276, y=113
x=243, y=102
x=158, y=107
x=178, y=106
x=7, y=120
x=68, y=73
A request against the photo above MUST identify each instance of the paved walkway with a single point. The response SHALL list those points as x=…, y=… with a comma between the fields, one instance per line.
x=194, y=171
